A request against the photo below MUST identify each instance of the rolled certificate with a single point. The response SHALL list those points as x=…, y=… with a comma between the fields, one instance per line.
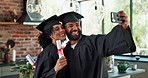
x=61, y=46
x=31, y=61
x=64, y=43
x=60, y=49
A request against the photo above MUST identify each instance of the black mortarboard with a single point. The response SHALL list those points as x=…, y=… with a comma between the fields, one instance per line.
x=46, y=25
x=70, y=17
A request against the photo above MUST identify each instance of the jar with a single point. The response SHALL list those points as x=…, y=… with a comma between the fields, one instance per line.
x=7, y=57
x=110, y=63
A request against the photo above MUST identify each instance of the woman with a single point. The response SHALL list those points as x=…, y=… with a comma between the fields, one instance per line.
x=48, y=64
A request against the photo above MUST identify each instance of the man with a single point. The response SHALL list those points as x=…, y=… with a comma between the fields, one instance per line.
x=86, y=54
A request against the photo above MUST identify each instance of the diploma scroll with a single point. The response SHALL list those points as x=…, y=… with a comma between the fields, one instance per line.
x=61, y=46
x=65, y=42
x=60, y=50
x=31, y=61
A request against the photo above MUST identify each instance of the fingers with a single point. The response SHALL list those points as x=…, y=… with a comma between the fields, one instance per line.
x=62, y=59
x=61, y=62
x=123, y=15
x=61, y=65
x=123, y=18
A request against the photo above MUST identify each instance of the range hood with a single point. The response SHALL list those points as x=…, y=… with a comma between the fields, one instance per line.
x=32, y=10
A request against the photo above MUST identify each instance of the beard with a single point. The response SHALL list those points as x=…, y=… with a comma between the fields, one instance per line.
x=74, y=38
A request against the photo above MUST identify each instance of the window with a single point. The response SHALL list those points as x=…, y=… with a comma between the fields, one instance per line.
x=140, y=26
x=137, y=18
x=138, y=21
x=114, y=6
x=93, y=14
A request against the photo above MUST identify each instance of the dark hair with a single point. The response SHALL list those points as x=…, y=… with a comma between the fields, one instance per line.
x=44, y=40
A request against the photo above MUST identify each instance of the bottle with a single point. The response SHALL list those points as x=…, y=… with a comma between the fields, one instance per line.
x=13, y=55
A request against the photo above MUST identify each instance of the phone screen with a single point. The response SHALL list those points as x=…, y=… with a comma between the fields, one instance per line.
x=114, y=17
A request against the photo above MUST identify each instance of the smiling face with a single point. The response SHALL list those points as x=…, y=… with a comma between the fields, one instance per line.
x=73, y=30
x=58, y=32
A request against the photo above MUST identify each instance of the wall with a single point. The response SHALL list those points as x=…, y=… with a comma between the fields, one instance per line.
x=24, y=36
x=6, y=6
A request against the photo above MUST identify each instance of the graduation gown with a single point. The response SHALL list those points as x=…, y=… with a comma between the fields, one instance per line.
x=87, y=59
x=45, y=63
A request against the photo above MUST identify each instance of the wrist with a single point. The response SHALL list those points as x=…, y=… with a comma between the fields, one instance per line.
x=55, y=70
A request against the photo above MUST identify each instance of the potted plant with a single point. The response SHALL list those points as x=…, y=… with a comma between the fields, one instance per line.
x=6, y=49
x=25, y=71
x=122, y=66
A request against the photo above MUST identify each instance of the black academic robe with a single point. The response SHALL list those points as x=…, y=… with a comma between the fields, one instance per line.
x=45, y=63
x=87, y=59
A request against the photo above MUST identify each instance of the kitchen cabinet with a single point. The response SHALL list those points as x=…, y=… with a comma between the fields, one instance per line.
x=5, y=71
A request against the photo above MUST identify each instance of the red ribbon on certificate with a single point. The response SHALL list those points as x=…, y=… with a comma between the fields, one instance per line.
x=60, y=51
x=31, y=60
x=34, y=64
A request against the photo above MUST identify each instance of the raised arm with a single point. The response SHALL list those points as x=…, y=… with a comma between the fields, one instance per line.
x=120, y=40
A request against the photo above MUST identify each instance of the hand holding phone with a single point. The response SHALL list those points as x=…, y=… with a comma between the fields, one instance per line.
x=115, y=17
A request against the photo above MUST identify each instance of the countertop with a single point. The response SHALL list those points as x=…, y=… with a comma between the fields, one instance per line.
x=111, y=74
x=131, y=58
x=129, y=71
x=114, y=74
x=12, y=64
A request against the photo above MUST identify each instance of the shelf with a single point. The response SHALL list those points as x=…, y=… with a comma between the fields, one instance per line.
x=9, y=23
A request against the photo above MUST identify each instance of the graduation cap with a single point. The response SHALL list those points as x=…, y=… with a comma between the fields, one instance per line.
x=70, y=17
x=46, y=25
x=46, y=28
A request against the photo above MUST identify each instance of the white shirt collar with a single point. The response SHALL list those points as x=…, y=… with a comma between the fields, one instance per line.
x=73, y=46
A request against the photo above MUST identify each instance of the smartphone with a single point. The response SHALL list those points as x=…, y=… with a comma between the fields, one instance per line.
x=114, y=17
